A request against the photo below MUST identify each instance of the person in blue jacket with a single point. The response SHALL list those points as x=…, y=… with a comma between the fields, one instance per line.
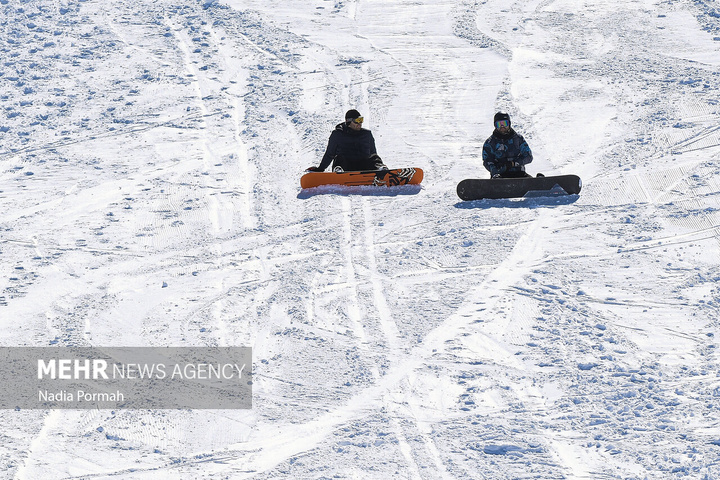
x=350, y=147
x=506, y=152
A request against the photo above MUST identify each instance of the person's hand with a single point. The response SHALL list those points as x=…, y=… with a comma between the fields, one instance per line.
x=313, y=169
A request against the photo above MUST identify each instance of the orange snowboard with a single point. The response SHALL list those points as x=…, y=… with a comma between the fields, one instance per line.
x=386, y=178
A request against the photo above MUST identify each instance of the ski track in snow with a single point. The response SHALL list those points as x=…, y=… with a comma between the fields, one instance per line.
x=150, y=158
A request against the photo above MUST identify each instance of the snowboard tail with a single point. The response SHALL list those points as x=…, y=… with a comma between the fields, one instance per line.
x=476, y=189
x=387, y=178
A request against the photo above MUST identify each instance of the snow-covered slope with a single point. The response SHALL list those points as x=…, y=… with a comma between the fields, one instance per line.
x=149, y=189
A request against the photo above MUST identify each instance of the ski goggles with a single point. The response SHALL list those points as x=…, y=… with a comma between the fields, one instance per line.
x=502, y=123
x=358, y=120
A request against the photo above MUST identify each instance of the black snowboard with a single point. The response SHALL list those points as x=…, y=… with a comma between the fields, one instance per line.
x=476, y=189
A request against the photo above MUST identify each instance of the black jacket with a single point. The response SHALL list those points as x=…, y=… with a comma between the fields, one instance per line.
x=347, y=146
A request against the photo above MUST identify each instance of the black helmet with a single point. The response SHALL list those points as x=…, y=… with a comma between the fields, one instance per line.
x=501, y=116
x=352, y=115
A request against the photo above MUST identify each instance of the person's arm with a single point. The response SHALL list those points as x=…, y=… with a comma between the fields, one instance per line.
x=490, y=161
x=330, y=152
x=373, y=149
x=525, y=155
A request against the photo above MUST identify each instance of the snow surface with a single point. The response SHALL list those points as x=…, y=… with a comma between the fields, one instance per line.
x=151, y=154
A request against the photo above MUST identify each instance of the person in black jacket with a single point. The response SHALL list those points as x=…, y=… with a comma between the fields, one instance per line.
x=506, y=152
x=350, y=147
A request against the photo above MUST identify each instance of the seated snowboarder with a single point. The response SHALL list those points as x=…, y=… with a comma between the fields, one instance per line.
x=351, y=147
x=506, y=152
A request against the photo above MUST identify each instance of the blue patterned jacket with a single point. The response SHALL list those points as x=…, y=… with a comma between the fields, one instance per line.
x=506, y=153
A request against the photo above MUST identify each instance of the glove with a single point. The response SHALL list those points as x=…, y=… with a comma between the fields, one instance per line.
x=313, y=169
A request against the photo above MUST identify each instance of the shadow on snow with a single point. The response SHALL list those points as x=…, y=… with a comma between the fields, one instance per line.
x=523, y=202
x=365, y=190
